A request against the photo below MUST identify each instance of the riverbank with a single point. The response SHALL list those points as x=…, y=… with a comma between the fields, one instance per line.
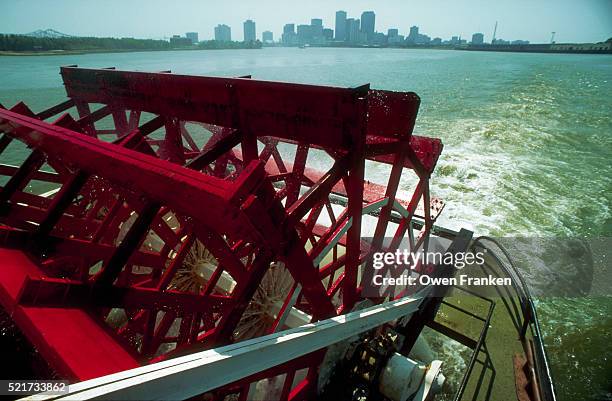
x=597, y=48
x=503, y=49
x=75, y=52
x=95, y=51
x=580, y=48
x=20, y=45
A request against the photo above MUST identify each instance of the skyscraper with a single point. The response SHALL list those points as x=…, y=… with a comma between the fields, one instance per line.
x=249, y=31
x=223, y=33
x=304, y=34
x=413, y=36
x=193, y=36
x=316, y=29
x=328, y=34
x=341, y=25
x=368, y=22
x=393, y=36
x=352, y=30
x=289, y=37
x=289, y=28
x=477, y=39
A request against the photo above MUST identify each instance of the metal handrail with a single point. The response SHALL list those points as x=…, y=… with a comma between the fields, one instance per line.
x=546, y=387
x=480, y=343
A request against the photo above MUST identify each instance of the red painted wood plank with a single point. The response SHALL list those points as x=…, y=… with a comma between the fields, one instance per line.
x=69, y=339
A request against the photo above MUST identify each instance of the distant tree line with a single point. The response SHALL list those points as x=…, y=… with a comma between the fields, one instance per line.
x=18, y=43
x=217, y=44
x=28, y=43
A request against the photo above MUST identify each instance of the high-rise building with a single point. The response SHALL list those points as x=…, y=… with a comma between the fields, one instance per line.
x=223, y=33
x=304, y=34
x=393, y=36
x=267, y=37
x=289, y=37
x=413, y=36
x=250, y=34
x=316, y=29
x=368, y=22
x=193, y=36
x=289, y=28
x=328, y=34
x=341, y=25
x=477, y=39
x=352, y=30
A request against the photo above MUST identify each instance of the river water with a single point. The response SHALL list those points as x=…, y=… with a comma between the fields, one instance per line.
x=528, y=149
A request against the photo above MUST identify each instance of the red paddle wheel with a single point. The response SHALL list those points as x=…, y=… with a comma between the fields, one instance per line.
x=177, y=213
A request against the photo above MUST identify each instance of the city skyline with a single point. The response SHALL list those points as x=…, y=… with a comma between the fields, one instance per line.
x=588, y=21
x=351, y=31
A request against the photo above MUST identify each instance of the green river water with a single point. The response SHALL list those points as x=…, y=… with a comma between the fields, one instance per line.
x=528, y=149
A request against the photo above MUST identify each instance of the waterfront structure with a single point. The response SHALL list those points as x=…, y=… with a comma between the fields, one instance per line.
x=179, y=41
x=267, y=37
x=521, y=46
x=423, y=39
x=193, y=36
x=223, y=33
x=250, y=34
x=368, y=24
x=600, y=47
x=477, y=39
x=378, y=39
x=494, y=34
x=341, y=26
x=498, y=42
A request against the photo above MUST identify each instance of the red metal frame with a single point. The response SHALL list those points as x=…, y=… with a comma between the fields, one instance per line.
x=115, y=235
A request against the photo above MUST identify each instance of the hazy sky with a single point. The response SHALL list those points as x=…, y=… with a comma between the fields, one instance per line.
x=534, y=20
